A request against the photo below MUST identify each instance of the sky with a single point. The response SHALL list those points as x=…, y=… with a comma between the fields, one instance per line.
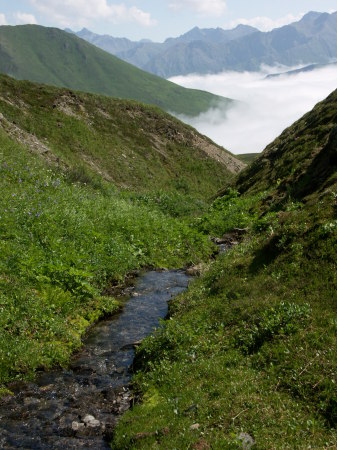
x=156, y=19
x=265, y=107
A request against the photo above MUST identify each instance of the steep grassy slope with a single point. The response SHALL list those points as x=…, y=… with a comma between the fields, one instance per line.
x=302, y=160
x=249, y=355
x=133, y=146
x=69, y=232
x=52, y=56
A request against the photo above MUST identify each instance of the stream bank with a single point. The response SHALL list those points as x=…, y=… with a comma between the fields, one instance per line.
x=78, y=407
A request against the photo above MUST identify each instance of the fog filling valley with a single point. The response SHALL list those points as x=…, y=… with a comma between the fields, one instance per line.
x=265, y=107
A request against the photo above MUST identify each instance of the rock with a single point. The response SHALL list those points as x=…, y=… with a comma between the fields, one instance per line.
x=195, y=426
x=165, y=431
x=247, y=441
x=94, y=423
x=77, y=425
x=91, y=421
x=120, y=370
x=29, y=401
x=1, y=117
x=143, y=435
x=88, y=418
x=219, y=241
x=190, y=409
x=240, y=231
x=232, y=238
x=201, y=445
x=195, y=270
x=46, y=388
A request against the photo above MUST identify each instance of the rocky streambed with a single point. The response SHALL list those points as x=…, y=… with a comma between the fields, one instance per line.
x=77, y=408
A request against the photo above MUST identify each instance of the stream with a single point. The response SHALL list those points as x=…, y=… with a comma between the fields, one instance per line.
x=78, y=407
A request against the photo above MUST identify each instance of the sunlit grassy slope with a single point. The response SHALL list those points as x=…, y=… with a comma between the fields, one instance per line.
x=91, y=189
x=249, y=353
x=52, y=56
x=131, y=145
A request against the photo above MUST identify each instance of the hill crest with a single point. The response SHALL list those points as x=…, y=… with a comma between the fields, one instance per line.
x=55, y=57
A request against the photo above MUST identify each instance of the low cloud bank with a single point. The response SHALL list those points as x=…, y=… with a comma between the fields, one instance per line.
x=265, y=107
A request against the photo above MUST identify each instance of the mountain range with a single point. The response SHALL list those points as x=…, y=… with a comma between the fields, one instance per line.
x=313, y=39
x=53, y=56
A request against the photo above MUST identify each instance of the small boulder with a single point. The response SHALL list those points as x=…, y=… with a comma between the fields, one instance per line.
x=77, y=425
x=247, y=441
x=91, y=421
x=195, y=270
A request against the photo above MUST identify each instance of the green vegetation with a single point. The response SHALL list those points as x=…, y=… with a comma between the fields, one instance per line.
x=52, y=56
x=92, y=189
x=64, y=245
x=135, y=147
x=248, y=354
x=247, y=158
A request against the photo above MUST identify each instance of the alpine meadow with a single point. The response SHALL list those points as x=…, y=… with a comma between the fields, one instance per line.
x=156, y=290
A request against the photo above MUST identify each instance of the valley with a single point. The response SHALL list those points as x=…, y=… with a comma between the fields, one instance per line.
x=156, y=290
x=248, y=357
x=93, y=189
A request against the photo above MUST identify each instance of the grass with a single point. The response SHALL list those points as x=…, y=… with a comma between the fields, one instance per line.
x=132, y=146
x=249, y=351
x=64, y=245
x=52, y=56
x=93, y=188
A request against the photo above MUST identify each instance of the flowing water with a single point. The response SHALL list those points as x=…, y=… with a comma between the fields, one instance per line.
x=78, y=408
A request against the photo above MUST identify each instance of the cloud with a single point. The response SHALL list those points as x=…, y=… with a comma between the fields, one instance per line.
x=82, y=12
x=266, y=105
x=207, y=7
x=3, y=20
x=266, y=23
x=24, y=18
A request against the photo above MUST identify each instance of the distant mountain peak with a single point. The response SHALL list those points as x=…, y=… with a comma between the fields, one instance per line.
x=310, y=40
x=311, y=16
x=242, y=26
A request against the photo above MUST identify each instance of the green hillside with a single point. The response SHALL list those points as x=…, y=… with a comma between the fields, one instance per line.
x=248, y=357
x=247, y=158
x=52, y=56
x=92, y=189
x=134, y=146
